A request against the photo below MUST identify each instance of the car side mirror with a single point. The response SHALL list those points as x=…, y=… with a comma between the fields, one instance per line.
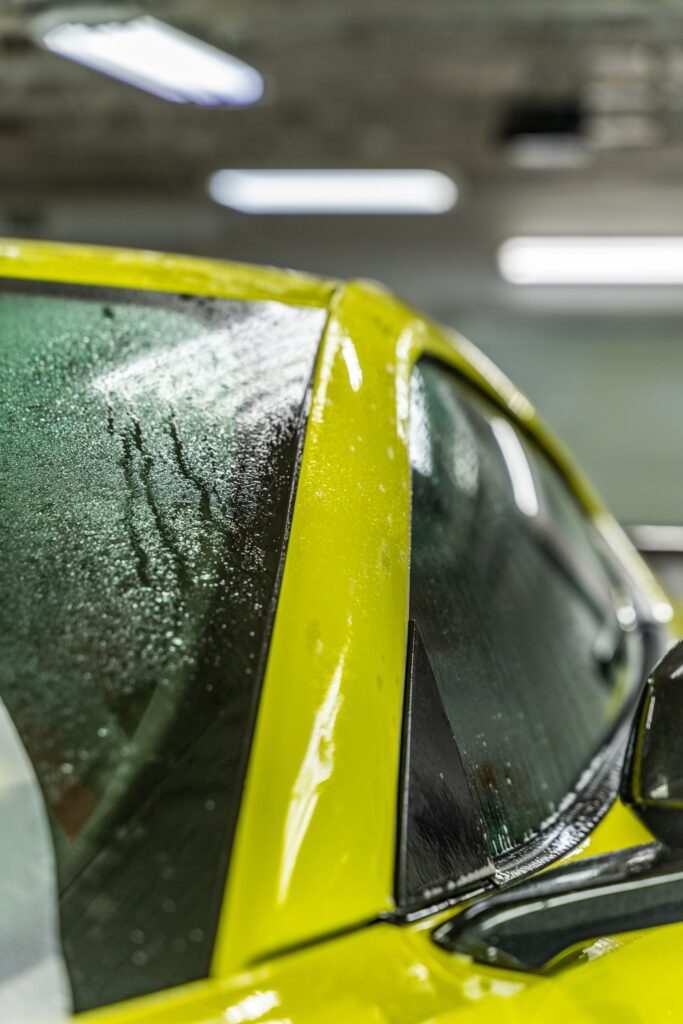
x=652, y=778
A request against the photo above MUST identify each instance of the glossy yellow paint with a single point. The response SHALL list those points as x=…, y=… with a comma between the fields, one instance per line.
x=164, y=272
x=387, y=974
x=315, y=840
x=677, y=621
x=315, y=847
x=314, y=852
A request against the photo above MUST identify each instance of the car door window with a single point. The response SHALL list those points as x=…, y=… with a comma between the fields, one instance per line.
x=148, y=446
x=529, y=630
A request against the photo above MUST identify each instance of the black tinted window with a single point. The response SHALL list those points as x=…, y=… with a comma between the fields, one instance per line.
x=530, y=635
x=149, y=449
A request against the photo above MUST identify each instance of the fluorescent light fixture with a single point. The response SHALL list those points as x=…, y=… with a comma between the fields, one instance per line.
x=334, y=191
x=592, y=261
x=121, y=42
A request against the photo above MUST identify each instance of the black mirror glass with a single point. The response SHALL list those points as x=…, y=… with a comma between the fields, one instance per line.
x=653, y=773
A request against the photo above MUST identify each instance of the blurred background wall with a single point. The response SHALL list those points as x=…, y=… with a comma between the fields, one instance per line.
x=552, y=117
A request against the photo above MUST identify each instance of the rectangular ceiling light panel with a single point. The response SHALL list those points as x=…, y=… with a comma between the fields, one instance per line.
x=394, y=191
x=528, y=260
x=150, y=55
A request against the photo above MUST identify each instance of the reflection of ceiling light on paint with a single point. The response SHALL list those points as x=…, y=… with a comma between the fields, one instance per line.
x=144, y=52
x=334, y=191
x=592, y=261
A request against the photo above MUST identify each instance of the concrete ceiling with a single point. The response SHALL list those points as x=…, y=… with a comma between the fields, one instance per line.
x=357, y=84
x=412, y=83
x=354, y=83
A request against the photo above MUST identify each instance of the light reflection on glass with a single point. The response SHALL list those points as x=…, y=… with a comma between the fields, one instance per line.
x=519, y=470
x=420, y=447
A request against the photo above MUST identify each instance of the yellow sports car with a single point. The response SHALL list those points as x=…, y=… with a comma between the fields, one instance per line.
x=319, y=667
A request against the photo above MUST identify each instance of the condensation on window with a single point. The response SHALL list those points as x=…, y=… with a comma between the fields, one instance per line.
x=149, y=447
x=528, y=628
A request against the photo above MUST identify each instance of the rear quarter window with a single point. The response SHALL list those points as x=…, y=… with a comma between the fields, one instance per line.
x=528, y=627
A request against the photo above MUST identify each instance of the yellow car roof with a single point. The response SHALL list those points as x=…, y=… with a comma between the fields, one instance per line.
x=131, y=268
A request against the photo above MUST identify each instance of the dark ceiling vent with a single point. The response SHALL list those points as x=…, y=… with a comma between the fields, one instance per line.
x=533, y=118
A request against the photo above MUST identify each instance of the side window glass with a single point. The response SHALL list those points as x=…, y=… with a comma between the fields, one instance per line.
x=149, y=449
x=528, y=630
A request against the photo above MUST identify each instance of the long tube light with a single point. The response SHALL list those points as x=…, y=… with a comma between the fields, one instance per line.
x=149, y=54
x=395, y=191
x=637, y=260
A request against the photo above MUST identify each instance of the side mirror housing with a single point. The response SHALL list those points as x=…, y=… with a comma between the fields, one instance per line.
x=652, y=780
